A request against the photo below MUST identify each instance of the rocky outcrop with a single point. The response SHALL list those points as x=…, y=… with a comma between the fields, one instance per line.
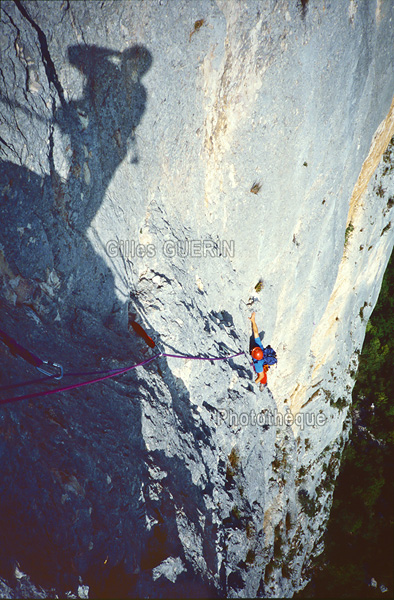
x=183, y=164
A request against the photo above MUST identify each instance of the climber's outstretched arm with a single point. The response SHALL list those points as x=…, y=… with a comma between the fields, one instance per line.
x=254, y=326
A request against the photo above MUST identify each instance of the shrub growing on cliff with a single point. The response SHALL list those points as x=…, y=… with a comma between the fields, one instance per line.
x=250, y=530
x=235, y=512
x=288, y=522
x=278, y=553
x=360, y=531
x=256, y=187
x=233, y=458
x=233, y=465
x=307, y=503
x=259, y=286
x=340, y=404
x=269, y=569
x=348, y=232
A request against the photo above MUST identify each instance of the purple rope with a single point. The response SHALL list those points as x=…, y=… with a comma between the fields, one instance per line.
x=75, y=385
x=201, y=357
x=11, y=386
x=111, y=374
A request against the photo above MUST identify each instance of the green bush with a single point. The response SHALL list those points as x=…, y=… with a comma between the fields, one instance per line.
x=235, y=511
x=249, y=530
x=307, y=503
x=348, y=232
x=340, y=404
x=233, y=458
x=358, y=540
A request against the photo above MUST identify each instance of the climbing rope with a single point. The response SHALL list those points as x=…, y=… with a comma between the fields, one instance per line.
x=10, y=386
x=109, y=374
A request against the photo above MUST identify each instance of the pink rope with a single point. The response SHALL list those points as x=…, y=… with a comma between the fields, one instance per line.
x=201, y=357
x=76, y=385
x=119, y=372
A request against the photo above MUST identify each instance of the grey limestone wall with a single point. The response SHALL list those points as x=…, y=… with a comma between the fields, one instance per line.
x=159, y=159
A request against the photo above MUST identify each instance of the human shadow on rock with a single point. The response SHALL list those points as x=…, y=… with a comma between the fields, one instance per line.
x=57, y=451
x=45, y=219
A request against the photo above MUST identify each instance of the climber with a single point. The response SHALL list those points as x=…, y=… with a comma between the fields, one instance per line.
x=260, y=361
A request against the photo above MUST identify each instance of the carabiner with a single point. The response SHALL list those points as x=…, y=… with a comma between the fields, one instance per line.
x=47, y=368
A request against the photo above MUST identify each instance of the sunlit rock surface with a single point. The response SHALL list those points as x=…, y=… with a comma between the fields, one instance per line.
x=183, y=164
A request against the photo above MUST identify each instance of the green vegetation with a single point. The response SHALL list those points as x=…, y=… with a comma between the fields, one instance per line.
x=330, y=470
x=390, y=203
x=233, y=458
x=249, y=530
x=386, y=229
x=256, y=187
x=339, y=404
x=359, y=538
x=286, y=571
x=259, y=286
x=280, y=461
x=278, y=543
x=276, y=464
x=236, y=512
x=269, y=569
x=302, y=471
x=308, y=504
x=288, y=522
x=229, y=473
x=197, y=26
x=349, y=230
x=232, y=467
x=361, y=313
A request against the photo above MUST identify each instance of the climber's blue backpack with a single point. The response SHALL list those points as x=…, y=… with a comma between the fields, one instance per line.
x=270, y=356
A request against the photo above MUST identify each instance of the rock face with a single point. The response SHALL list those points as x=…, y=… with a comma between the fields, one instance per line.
x=182, y=164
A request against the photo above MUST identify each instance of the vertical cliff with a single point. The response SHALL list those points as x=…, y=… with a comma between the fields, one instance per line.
x=184, y=163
